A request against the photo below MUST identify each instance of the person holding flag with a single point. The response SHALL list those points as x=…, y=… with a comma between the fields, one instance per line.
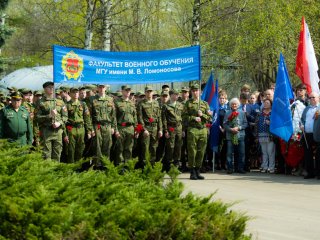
x=210, y=94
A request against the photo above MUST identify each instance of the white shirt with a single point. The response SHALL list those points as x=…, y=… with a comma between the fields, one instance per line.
x=308, y=127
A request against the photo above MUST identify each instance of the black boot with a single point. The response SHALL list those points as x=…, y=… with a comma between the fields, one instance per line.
x=193, y=174
x=198, y=174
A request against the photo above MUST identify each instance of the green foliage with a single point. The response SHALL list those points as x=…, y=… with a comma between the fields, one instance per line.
x=49, y=200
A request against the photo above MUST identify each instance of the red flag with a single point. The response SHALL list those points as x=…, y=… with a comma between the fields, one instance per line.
x=306, y=62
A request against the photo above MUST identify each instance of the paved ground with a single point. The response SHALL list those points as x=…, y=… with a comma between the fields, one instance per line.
x=282, y=207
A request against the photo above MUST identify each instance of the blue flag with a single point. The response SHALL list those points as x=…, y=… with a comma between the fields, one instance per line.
x=208, y=91
x=215, y=127
x=210, y=94
x=281, y=118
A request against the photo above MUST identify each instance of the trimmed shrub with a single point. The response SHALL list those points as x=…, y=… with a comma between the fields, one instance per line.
x=49, y=200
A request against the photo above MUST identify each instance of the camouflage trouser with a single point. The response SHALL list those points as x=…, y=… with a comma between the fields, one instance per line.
x=76, y=144
x=124, y=144
x=103, y=141
x=149, y=144
x=197, y=143
x=173, y=146
x=51, y=141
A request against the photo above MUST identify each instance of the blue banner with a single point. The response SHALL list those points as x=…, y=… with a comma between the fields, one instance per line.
x=72, y=65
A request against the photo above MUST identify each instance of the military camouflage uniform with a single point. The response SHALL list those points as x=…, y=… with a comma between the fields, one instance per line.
x=197, y=131
x=16, y=125
x=149, y=116
x=79, y=122
x=51, y=138
x=35, y=128
x=126, y=119
x=103, y=120
x=172, y=124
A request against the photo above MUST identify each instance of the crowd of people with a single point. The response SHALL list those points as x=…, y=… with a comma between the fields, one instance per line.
x=173, y=127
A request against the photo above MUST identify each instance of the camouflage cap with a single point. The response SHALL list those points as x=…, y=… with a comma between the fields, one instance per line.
x=46, y=84
x=25, y=91
x=74, y=89
x=91, y=87
x=156, y=93
x=16, y=95
x=37, y=93
x=195, y=86
x=185, y=89
x=65, y=88
x=125, y=87
x=173, y=91
x=165, y=93
x=148, y=88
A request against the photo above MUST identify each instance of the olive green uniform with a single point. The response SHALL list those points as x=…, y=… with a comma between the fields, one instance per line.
x=103, y=120
x=149, y=116
x=31, y=109
x=197, y=132
x=127, y=120
x=172, y=124
x=16, y=125
x=79, y=122
x=51, y=138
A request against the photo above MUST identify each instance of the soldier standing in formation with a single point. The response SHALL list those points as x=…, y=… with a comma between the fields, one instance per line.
x=149, y=116
x=51, y=115
x=197, y=115
x=79, y=123
x=127, y=120
x=104, y=122
x=172, y=127
x=15, y=122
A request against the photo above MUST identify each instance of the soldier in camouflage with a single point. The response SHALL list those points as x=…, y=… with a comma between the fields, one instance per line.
x=104, y=122
x=172, y=127
x=51, y=115
x=126, y=120
x=196, y=114
x=149, y=116
x=79, y=122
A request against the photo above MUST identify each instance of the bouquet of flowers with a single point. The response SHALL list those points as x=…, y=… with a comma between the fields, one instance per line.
x=233, y=121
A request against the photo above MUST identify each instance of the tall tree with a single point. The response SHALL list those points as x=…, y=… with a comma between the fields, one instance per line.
x=106, y=24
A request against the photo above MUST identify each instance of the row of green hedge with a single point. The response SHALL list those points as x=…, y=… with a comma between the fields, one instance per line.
x=49, y=200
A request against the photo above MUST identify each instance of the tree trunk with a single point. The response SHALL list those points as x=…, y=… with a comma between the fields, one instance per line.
x=196, y=23
x=89, y=24
x=106, y=5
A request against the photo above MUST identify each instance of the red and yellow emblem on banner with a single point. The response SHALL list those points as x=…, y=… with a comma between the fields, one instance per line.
x=72, y=65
